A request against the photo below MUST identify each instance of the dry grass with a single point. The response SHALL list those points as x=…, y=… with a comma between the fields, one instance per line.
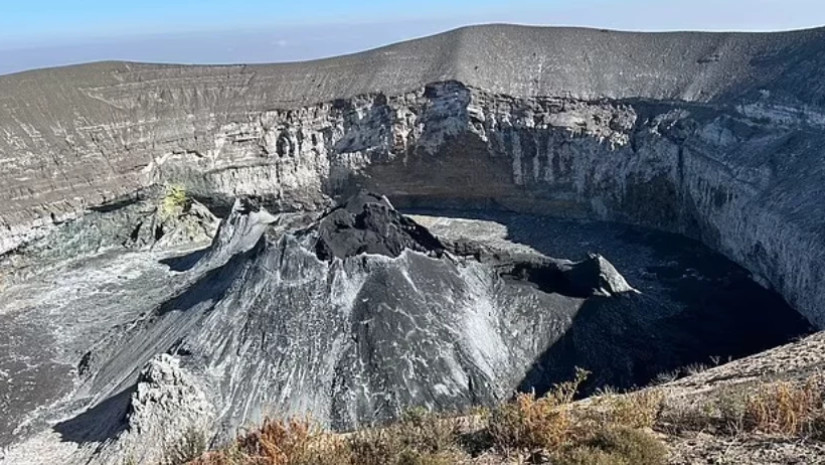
x=419, y=439
x=615, y=445
x=785, y=408
x=781, y=408
x=634, y=410
x=293, y=442
x=531, y=423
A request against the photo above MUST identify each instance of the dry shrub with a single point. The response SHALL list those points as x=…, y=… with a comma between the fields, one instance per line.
x=530, y=423
x=230, y=456
x=192, y=445
x=615, y=446
x=420, y=438
x=277, y=442
x=784, y=408
x=730, y=406
x=635, y=410
x=585, y=455
x=681, y=417
x=544, y=427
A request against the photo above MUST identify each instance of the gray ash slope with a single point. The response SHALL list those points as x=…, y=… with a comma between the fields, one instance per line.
x=355, y=336
x=354, y=315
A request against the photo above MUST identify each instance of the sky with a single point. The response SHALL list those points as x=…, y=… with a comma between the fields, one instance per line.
x=42, y=33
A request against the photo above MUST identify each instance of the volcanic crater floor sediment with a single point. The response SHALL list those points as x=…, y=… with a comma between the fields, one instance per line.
x=695, y=306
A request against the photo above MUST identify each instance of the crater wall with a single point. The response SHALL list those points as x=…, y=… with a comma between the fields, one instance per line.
x=715, y=136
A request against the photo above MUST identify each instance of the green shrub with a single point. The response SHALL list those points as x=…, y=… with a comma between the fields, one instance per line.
x=174, y=201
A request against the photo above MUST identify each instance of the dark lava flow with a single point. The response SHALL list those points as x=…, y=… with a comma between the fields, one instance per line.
x=695, y=307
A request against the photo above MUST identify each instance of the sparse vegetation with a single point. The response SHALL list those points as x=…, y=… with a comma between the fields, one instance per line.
x=419, y=439
x=636, y=409
x=613, y=428
x=615, y=445
x=174, y=201
x=779, y=408
x=526, y=427
x=785, y=408
x=531, y=423
x=291, y=442
x=191, y=446
x=544, y=428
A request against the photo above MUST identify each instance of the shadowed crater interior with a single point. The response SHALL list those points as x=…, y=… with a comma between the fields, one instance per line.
x=694, y=308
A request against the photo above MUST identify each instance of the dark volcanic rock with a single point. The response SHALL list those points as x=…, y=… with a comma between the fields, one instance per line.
x=594, y=276
x=367, y=223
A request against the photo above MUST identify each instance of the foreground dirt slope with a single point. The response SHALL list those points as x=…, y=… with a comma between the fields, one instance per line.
x=797, y=362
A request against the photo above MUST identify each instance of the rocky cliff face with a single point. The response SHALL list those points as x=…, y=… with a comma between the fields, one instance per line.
x=716, y=136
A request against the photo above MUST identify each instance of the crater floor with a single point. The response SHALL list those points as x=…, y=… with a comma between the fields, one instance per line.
x=696, y=307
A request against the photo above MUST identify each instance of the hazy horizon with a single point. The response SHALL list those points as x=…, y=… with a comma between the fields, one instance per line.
x=50, y=33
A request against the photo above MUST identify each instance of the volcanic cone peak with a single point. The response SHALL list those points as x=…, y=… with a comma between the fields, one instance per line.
x=593, y=276
x=368, y=223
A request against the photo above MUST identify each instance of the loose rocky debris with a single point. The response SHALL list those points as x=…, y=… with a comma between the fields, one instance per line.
x=144, y=222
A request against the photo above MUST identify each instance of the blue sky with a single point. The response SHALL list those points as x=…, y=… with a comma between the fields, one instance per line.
x=38, y=33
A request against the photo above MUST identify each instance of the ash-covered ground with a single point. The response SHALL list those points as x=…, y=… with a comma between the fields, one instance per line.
x=353, y=316
x=696, y=307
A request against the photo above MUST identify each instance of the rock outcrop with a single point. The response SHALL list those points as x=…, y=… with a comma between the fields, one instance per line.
x=368, y=223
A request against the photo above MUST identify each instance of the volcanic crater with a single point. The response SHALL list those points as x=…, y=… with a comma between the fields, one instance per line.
x=437, y=223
